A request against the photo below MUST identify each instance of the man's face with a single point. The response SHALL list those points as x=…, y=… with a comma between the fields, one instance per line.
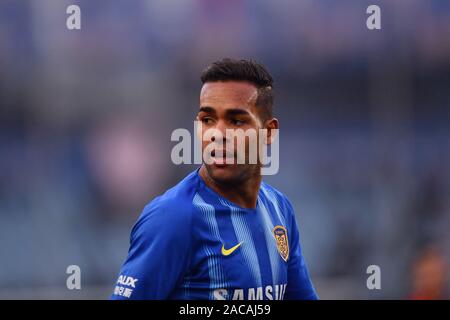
x=228, y=105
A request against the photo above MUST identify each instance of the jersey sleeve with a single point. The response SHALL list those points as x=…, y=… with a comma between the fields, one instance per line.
x=299, y=286
x=158, y=256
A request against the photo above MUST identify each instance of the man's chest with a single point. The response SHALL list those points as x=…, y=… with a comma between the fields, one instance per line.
x=239, y=256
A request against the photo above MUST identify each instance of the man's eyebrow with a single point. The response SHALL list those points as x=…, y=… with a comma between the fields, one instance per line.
x=237, y=112
x=207, y=110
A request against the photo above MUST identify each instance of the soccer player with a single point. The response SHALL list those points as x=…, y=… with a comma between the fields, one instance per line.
x=220, y=233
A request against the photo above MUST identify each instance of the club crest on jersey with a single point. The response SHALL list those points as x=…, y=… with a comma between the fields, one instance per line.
x=281, y=238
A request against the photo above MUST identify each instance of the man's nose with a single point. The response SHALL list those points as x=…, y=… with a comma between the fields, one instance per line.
x=219, y=132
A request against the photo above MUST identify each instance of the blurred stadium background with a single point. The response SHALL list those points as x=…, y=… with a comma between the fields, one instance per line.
x=86, y=118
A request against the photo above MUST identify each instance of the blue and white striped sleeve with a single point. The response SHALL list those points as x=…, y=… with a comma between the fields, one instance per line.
x=158, y=256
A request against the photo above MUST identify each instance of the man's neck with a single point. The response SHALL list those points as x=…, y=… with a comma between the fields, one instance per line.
x=244, y=193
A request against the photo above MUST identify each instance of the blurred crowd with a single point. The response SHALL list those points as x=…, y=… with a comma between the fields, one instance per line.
x=86, y=117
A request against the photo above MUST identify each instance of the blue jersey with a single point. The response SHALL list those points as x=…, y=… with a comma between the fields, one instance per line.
x=191, y=243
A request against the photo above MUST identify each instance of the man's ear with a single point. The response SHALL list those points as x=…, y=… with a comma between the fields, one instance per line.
x=272, y=126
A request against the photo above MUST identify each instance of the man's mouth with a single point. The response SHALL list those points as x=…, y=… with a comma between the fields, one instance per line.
x=223, y=157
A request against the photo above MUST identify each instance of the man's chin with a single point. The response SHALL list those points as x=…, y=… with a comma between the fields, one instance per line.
x=223, y=173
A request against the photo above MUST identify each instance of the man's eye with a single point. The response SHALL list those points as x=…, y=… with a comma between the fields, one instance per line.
x=206, y=120
x=237, y=122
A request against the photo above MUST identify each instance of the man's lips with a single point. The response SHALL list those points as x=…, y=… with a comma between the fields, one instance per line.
x=223, y=153
x=223, y=157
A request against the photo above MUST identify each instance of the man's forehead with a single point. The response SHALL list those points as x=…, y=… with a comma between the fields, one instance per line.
x=240, y=92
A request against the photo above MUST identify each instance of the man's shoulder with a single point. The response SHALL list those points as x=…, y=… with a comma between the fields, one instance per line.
x=274, y=195
x=173, y=207
x=280, y=202
x=178, y=196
